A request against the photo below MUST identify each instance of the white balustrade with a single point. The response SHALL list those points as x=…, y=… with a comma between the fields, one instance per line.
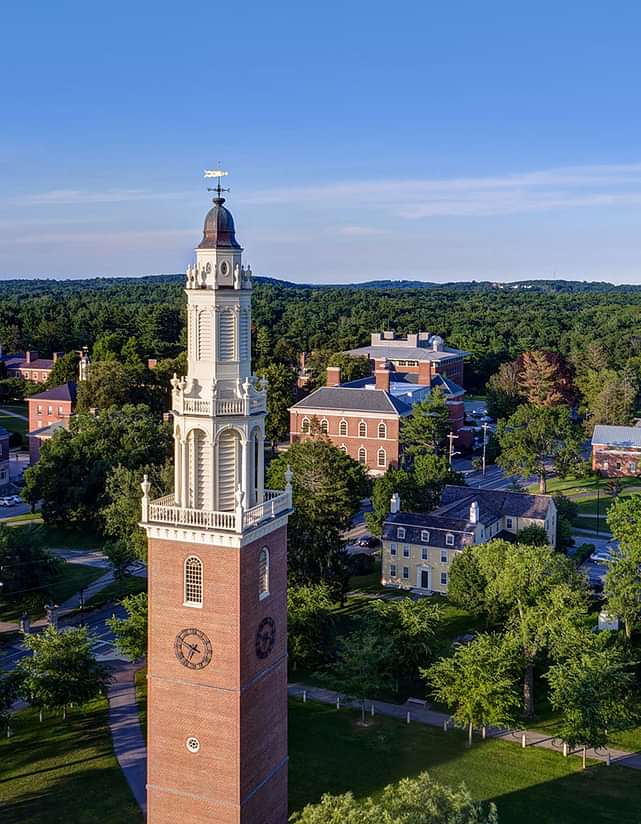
x=164, y=511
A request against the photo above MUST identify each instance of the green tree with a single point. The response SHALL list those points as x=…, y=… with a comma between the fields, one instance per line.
x=110, y=383
x=544, y=379
x=624, y=520
x=540, y=595
x=120, y=514
x=503, y=391
x=535, y=436
x=27, y=568
x=280, y=396
x=61, y=670
x=533, y=535
x=8, y=695
x=310, y=625
x=361, y=669
x=411, y=627
x=623, y=589
x=566, y=512
x=425, y=430
x=65, y=370
x=71, y=474
x=478, y=683
x=419, y=800
x=327, y=490
x=121, y=556
x=594, y=692
x=466, y=583
x=352, y=368
x=131, y=632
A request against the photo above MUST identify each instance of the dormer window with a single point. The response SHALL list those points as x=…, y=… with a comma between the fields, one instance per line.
x=400, y=532
x=425, y=536
x=449, y=539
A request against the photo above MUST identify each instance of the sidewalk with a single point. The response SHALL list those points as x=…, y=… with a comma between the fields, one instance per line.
x=431, y=718
x=126, y=733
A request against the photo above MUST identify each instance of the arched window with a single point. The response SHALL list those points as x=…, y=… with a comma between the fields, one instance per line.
x=382, y=431
x=193, y=582
x=362, y=455
x=362, y=429
x=343, y=448
x=381, y=458
x=342, y=428
x=324, y=426
x=263, y=573
x=304, y=427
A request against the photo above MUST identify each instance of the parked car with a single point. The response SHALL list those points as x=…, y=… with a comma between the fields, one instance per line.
x=5, y=502
x=14, y=500
x=369, y=541
x=601, y=556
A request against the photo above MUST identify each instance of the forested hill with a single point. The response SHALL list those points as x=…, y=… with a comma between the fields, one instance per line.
x=493, y=322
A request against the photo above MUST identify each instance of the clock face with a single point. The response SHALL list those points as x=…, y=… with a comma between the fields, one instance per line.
x=193, y=649
x=265, y=637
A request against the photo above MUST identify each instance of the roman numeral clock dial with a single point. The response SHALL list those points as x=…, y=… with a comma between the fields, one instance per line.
x=193, y=649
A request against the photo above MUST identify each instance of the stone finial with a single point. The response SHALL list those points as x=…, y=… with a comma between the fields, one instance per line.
x=288, y=477
x=175, y=381
x=145, y=486
x=395, y=503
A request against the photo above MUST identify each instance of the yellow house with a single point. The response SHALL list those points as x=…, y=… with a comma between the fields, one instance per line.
x=418, y=548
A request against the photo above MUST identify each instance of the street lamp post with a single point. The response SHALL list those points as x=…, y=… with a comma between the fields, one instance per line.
x=484, y=445
x=452, y=437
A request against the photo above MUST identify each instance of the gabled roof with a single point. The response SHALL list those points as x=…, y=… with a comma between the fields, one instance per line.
x=499, y=501
x=395, y=352
x=64, y=392
x=621, y=436
x=20, y=362
x=353, y=399
x=415, y=522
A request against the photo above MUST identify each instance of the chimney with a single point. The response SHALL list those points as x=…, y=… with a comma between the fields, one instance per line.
x=152, y=363
x=474, y=512
x=382, y=375
x=57, y=355
x=395, y=503
x=31, y=355
x=424, y=373
x=333, y=376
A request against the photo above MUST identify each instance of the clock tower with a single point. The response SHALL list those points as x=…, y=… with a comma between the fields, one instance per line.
x=217, y=657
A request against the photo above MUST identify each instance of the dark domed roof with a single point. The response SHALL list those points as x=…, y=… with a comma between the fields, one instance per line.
x=219, y=231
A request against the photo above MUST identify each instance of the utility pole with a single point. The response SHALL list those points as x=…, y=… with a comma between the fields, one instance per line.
x=451, y=438
x=484, y=445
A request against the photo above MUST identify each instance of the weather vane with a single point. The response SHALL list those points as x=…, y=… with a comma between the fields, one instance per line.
x=218, y=174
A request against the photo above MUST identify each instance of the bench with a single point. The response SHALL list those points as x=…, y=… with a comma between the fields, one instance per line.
x=418, y=701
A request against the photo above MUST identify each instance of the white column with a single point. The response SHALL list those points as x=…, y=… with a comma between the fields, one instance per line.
x=260, y=491
x=185, y=473
x=178, y=468
x=245, y=471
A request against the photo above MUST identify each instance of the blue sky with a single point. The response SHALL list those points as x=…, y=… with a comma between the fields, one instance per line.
x=438, y=141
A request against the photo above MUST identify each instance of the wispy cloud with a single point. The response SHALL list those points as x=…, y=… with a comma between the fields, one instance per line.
x=359, y=231
x=542, y=190
x=81, y=197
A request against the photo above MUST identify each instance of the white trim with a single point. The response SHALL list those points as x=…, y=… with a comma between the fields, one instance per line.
x=420, y=569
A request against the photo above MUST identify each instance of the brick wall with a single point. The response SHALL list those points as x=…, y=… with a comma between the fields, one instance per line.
x=353, y=441
x=236, y=706
x=616, y=463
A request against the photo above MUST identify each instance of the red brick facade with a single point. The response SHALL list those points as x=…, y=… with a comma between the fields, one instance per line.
x=236, y=706
x=616, y=462
x=31, y=367
x=376, y=446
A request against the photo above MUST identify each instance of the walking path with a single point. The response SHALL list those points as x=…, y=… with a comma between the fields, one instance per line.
x=11, y=414
x=423, y=715
x=126, y=733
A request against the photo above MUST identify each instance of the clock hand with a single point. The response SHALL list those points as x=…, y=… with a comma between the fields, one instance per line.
x=191, y=646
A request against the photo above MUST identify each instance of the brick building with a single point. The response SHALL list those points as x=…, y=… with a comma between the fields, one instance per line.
x=30, y=366
x=418, y=548
x=616, y=450
x=49, y=411
x=363, y=417
x=420, y=353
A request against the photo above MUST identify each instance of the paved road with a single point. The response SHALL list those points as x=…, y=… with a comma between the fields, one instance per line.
x=126, y=731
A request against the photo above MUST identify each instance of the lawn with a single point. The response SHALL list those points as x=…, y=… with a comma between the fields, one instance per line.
x=63, y=772
x=329, y=752
x=74, y=576
x=130, y=585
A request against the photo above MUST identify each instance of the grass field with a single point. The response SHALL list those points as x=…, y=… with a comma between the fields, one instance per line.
x=118, y=589
x=329, y=752
x=63, y=772
x=74, y=576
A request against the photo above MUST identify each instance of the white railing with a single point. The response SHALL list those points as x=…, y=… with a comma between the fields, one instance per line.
x=222, y=406
x=165, y=511
x=275, y=503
